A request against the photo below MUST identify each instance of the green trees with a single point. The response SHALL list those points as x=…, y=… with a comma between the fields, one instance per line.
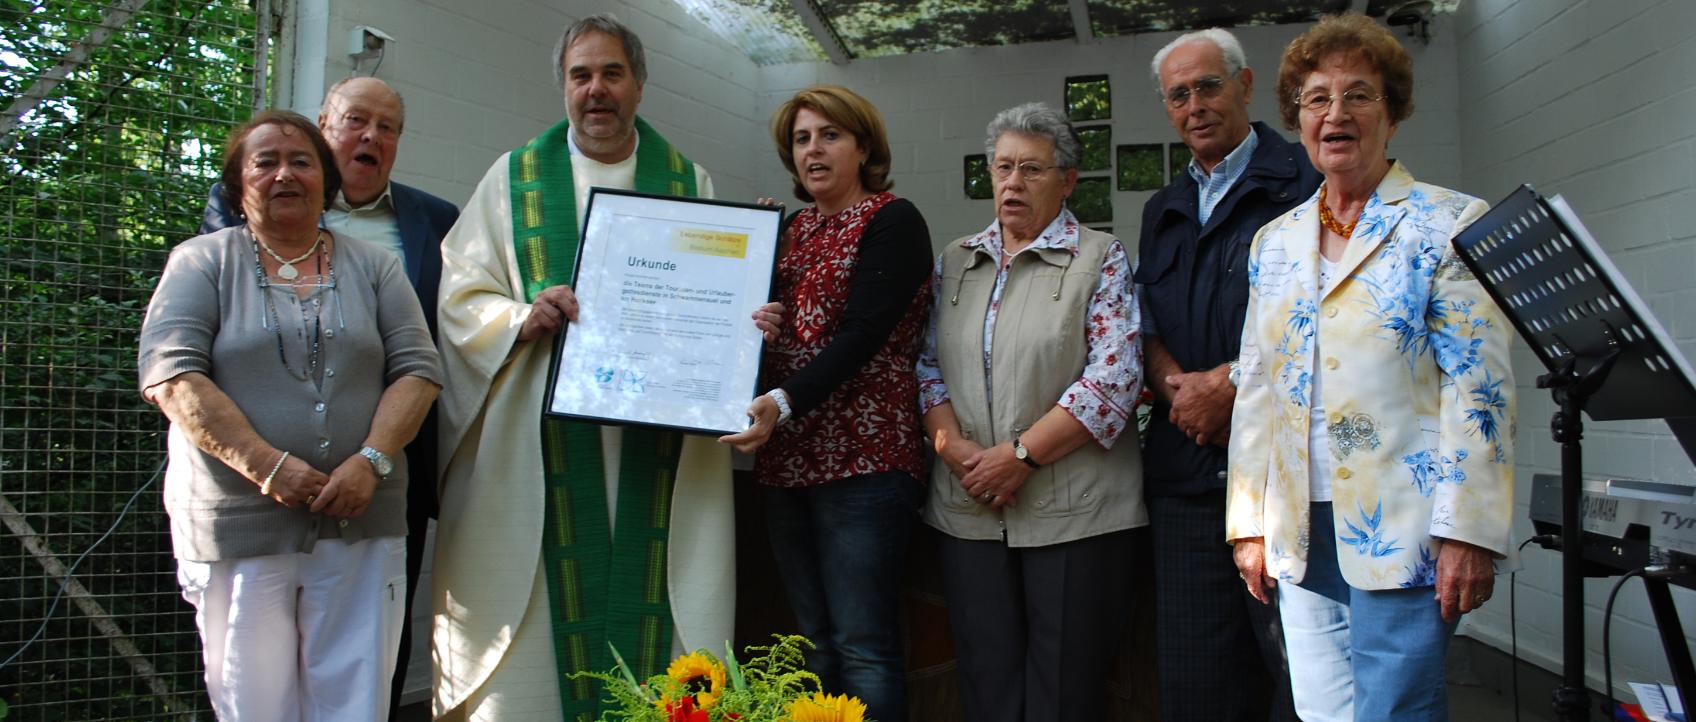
x=97, y=181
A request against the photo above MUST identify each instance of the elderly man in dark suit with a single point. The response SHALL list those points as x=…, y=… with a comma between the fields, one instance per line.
x=1220, y=652
x=362, y=119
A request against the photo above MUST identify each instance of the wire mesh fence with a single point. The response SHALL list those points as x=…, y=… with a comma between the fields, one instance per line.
x=102, y=173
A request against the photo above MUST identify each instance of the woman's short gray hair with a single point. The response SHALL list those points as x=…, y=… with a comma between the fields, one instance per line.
x=602, y=23
x=1222, y=39
x=1041, y=120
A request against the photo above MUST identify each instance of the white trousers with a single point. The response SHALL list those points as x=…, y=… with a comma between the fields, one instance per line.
x=301, y=637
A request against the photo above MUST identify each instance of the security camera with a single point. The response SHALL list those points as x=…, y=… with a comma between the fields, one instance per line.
x=365, y=41
x=1409, y=13
x=1415, y=16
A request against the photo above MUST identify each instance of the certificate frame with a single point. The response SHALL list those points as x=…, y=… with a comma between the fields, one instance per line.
x=665, y=289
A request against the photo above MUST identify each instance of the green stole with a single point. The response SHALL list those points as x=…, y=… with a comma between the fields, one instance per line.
x=600, y=589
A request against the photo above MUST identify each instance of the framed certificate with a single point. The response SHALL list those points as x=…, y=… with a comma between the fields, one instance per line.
x=666, y=288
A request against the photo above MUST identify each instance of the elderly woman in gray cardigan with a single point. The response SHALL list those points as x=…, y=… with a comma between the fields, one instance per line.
x=1027, y=382
x=293, y=365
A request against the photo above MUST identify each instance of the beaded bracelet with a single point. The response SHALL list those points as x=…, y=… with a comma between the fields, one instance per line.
x=265, y=486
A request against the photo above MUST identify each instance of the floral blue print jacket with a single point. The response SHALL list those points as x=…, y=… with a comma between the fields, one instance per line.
x=1418, y=391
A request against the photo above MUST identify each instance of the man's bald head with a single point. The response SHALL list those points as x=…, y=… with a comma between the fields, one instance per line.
x=362, y=119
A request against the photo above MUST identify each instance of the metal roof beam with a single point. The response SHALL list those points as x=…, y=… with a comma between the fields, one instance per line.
x=820, y=27
x=1080, y=21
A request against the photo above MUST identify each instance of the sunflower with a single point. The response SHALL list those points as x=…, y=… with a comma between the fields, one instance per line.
x=703, y=672
x=826, y=708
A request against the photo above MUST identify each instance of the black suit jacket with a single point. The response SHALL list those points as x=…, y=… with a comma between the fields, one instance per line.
x=424, y=219
x=1194, y=285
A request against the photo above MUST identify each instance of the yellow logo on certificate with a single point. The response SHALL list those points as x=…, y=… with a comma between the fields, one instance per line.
x=710, y=243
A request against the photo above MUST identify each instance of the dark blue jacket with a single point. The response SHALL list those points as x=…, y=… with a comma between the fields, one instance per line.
x=1194, y=282
x=424, y=219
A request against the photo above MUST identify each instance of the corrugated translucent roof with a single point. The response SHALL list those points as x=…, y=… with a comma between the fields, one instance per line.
x=877, y=28
x=1126, y=17
x=769, y=31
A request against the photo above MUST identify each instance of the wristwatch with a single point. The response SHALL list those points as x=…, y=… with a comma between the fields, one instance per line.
x=1023, y=454
x=1236, y=374
x=380, y=462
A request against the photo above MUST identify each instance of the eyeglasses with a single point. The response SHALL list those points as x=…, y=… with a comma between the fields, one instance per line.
x=1206, y=88
x=1031, y=171
x=1318, y=102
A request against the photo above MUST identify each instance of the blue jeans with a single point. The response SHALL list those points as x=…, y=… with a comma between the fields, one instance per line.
x=842, y=548
x=1358, y=654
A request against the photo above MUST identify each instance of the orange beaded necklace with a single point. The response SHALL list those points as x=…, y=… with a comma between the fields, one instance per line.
x=1330, y=221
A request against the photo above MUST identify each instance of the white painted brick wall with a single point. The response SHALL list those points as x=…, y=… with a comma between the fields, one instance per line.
x=1593, y=100
x=937, y=105
x=478, y=81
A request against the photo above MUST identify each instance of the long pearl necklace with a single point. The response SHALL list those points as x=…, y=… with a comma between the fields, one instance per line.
x=288, y=272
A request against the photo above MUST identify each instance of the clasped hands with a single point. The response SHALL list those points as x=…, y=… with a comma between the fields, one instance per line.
x=989, y=476
x=344, y=492
x=1201, y=405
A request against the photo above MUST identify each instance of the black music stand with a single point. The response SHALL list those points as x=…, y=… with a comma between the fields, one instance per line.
x=1607, y=356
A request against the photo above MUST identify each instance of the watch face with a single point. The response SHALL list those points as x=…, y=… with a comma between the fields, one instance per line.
x=379, y=461
x=1020, y=452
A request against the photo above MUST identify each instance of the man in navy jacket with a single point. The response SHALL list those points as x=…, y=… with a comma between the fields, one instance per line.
x=362, y=119
x=1220, y=652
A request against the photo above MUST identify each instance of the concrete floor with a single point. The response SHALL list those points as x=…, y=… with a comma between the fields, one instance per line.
x=1480, y=688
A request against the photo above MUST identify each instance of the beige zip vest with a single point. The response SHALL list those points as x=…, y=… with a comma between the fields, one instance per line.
x=1038, y=350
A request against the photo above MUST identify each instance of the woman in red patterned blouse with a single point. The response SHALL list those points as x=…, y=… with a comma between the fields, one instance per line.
x=838, y=434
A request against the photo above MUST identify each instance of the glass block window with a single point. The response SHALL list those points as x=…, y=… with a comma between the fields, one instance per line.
x=1088, y=97
x=1097, y=144
x=1092, y=200
x=977, y=184
x=1142, y=167
x=1179, y=160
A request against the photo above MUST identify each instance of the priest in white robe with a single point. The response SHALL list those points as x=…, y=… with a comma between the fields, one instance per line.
x=506, y=634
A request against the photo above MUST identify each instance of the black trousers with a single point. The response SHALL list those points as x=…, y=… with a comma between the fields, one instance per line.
x=421, y=506
x=1219, y=651
x=1036, y=629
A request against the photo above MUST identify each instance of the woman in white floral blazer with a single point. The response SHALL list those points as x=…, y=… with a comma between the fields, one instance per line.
x=1371, y=446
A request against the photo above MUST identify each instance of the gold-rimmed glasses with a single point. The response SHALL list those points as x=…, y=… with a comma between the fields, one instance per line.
x=1318, y=102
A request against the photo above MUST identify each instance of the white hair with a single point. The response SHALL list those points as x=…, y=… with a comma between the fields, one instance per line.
x=1222, y=39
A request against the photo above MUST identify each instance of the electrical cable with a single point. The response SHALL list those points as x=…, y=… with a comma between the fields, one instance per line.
x=380, y=53
x=1608, y=702
x=72, y=571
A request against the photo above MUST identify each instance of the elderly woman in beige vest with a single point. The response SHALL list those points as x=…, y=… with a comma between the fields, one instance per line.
x=1031, y=367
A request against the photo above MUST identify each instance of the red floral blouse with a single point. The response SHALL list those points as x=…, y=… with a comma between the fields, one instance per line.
x=857, y=288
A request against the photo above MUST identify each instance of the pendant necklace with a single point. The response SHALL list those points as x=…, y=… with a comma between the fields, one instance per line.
x=315, y=344
x=287, y=271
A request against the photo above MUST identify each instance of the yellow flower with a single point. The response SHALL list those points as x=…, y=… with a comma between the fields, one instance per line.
x=826, y=708
x=699, y=668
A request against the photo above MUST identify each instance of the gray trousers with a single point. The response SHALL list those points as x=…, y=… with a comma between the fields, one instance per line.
x=1036, y=629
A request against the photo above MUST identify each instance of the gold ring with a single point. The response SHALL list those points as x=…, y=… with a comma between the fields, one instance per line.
x=1478, y=600
x=311, y=498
